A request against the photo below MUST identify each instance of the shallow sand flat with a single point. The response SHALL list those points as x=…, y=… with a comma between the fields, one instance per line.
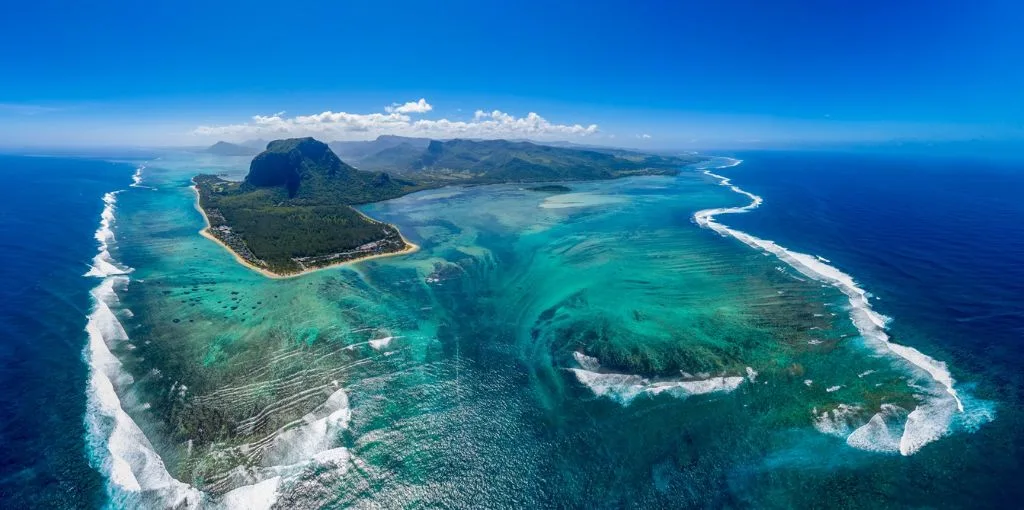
x=457, y=360
x=584, y=199
x=205, y=232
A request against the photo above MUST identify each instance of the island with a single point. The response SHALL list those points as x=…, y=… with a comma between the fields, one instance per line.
x=231, y=149
x=294, y=211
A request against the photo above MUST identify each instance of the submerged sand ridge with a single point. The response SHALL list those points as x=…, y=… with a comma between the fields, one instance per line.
x=600, y=338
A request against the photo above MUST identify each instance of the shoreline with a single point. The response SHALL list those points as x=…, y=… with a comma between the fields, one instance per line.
x=205, y=232
x=410, y=246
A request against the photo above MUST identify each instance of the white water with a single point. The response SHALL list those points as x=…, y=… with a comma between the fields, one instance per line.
x=137, y=177
x=121, y=452
x=882, y=433
x=930, y=420
x=837, y=422
x=103, y=264
x=118, y=447
x=587, y=362
x=380, y=343
x=751, y=375
x=314, y=433
x=624, y=388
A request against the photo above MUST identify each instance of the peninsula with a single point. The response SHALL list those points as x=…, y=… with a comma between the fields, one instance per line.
x=294, y=213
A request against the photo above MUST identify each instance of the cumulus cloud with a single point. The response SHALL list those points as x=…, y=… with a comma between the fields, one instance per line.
x=643, y=136
x=397, y=121
x=421, y=106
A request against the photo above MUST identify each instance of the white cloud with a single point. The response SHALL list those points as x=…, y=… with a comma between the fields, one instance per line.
x=643, y=136
x=421, y=106
x=345, y=126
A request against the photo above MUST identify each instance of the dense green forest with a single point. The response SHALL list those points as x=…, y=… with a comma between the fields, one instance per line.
x=493, y=161
x=293, y=210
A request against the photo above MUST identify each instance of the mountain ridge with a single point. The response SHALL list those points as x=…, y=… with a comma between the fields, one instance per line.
x=293, y=210
x=223, y=148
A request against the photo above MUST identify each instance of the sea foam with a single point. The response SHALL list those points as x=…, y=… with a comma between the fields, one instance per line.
x=624, y=388
x=117, y=447
x=313, y=433
x=929, y=421
x=103, y=264
x=137, y=176
x=380, y=343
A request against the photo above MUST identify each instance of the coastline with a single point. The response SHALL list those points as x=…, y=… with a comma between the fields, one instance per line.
x=205, y=232
x=410, y=246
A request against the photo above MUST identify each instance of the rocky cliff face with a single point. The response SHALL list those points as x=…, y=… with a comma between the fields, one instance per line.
x=313, y=175
x=290, y=162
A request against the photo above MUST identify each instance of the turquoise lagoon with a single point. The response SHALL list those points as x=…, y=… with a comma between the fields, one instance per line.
x=597, y=348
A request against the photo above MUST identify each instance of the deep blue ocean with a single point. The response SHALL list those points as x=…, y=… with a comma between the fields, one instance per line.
x=49, y=210
x=938, y=242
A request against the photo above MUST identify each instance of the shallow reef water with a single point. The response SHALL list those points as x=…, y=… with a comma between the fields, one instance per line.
x=620, y=344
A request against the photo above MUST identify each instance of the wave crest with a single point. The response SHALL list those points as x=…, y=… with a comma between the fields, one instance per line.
x=926, y=423
x=624, y=388
x=118, y=448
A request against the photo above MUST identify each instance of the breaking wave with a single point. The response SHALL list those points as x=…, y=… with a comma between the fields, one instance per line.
x=137, y=176
x=103, y=265
x=624, y=388
x=942, y=405
x=117, y=448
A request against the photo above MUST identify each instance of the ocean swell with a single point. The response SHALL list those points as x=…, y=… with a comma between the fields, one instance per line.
x=137, y=178
x=103, y=265
x=624, y=388
x=931, y=419
x=117, y=447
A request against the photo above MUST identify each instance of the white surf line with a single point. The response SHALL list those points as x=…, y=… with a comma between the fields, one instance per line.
x=137, y=177
x=118, y=448
x=624, y=388
x=102, y=264
x=870, y=323
x=136, y=476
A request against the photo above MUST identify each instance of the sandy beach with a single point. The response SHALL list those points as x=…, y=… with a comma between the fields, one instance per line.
x=205, y=232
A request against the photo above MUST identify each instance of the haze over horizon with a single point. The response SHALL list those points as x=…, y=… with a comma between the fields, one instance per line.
x=272, y=255
x=700, y=75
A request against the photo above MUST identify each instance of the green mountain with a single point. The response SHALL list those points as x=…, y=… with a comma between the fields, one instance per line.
x=292, y=212
x=504, y=161
x=395, y=159
x=356, y=152
x=313, y=175
x=230, y=149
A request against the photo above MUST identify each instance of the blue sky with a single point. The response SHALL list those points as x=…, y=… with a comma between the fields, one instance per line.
x=661, y=74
